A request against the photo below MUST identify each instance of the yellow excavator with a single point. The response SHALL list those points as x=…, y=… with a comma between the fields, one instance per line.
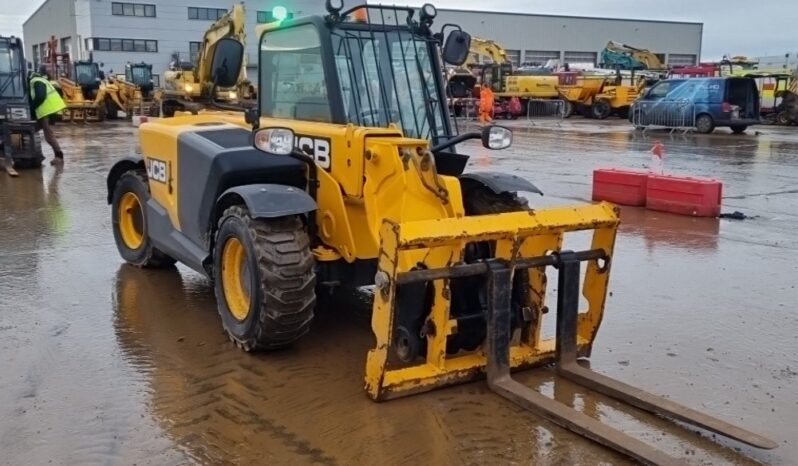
x=188, y=86
x=348, y=173
x=501, y=75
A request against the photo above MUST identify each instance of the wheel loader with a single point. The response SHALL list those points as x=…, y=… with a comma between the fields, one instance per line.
x=348, y=174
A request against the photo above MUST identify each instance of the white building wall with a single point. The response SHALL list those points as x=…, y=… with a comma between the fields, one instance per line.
x=53, y=18
x=171, y=27
x=524, y=33
x=575, y=34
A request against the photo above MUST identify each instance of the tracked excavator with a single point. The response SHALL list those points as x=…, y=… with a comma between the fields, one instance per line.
x=187, y=87
x=348, y=173
x=617, y=55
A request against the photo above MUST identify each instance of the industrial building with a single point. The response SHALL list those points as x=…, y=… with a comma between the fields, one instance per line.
x=155, y=32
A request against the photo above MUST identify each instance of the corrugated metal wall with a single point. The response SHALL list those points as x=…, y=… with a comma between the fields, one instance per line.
x=571, y=34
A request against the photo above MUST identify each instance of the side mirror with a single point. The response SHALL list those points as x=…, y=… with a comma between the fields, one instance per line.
x=455, y=50
x=496, y=137
x=226, y=66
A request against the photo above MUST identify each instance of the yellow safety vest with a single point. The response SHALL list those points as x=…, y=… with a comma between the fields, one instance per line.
x=53, y=103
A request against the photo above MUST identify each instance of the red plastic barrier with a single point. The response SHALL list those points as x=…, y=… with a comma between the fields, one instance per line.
x=699, y=197
x=621, y=186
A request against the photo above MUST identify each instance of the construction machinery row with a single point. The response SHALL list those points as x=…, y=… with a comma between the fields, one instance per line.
x=623, y=76
x=348, y=173
x=91, y=96
x=595, y=94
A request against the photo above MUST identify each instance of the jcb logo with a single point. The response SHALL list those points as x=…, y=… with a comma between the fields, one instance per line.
x=156, y=170
x=318, y=148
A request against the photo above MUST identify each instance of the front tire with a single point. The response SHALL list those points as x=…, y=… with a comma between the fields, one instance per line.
x=129, y=215
x=739, y=129
x=264, y=279
x=601, y=109
x=704, y=124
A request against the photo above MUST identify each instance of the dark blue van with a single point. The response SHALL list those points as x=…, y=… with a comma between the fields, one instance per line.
x=702, y=103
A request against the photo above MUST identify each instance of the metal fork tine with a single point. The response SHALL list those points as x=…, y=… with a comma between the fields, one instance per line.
x=500, y=381
x=566, y=365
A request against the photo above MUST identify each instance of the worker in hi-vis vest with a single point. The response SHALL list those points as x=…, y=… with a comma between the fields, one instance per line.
x=46, y=101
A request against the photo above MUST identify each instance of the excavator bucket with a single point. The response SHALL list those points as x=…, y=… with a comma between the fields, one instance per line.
x=420, y=265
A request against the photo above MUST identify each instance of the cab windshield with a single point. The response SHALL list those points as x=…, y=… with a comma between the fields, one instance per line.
x=11, y=84
x=386, y=78
x=140, y=75
x=86, y=73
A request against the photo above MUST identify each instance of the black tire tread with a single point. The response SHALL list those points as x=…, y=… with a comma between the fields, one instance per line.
x=484, y=202
x=288, y=280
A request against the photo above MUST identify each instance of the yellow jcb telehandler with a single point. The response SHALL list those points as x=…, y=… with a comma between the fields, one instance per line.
x=346, y=174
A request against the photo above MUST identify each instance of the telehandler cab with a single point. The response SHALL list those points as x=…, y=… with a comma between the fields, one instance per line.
x=346, y=174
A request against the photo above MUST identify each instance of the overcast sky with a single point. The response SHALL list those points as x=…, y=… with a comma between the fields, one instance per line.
x=736, y=27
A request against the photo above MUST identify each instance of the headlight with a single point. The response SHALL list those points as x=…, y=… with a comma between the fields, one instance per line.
x=188, y=87
x=497, y=137
x=233, y=95
x=278, y=141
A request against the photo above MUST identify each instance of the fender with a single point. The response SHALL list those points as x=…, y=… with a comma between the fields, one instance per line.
x=499, y=182
x=127, y=163
x=268, y=200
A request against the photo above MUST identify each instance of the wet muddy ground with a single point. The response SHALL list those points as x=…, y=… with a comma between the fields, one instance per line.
x=107, y=364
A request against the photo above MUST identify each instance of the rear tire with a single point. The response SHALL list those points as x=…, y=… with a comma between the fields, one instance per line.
x=601, y=109
x=704, y=124
x=129, y=215
x=784, y=118
x=264, y=279
x=739, y=129
x=567, y=109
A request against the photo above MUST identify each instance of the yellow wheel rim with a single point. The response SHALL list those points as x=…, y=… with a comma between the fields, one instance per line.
x=131, y=220
x=236, y=278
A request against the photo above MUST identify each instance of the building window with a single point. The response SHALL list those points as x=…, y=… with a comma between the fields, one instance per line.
x=35, y=56
x=122, y=45
x=133, y=9
x=268, y=17
x=193, y=51
x=206, y=14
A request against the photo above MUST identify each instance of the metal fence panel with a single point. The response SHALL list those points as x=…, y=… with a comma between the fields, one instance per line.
x=552, y=110
x=673, y=115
